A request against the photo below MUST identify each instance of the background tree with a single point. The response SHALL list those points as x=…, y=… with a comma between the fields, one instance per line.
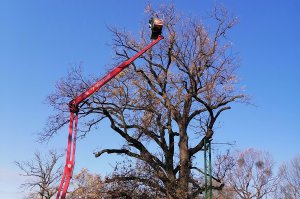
x=171, y=97
x=43, y=175
x=87, y=186
x=289, y=187
x=122, y=182
x=223, y=164
x=252, y=175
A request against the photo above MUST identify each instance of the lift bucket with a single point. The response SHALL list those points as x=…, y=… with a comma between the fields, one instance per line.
x=156, y=26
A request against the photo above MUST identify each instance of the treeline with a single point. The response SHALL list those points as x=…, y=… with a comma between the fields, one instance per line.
x=236, y=175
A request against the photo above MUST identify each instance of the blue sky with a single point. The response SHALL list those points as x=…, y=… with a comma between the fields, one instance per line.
x=40, y=40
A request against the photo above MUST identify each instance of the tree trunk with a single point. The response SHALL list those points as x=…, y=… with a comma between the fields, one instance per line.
x=184, y=172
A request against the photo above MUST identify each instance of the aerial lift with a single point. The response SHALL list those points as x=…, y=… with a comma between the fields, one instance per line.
x=156, y=26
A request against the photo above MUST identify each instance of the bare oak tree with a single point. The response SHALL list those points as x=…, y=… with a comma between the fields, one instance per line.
x=172, y=97
x=43, y=175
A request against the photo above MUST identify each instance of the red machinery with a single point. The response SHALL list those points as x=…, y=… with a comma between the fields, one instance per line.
x=156, y=28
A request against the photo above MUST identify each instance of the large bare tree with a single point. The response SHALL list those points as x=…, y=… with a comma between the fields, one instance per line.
x=172, y=97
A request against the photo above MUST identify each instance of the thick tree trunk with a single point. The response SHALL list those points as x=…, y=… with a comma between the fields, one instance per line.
x=184, y=172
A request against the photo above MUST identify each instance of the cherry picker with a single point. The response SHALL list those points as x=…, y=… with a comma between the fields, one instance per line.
x=156, y=26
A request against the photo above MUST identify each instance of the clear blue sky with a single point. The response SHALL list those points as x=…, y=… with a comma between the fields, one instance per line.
x=40, y=39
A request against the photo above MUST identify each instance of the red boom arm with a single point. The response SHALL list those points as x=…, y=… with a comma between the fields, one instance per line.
x=73, y=105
